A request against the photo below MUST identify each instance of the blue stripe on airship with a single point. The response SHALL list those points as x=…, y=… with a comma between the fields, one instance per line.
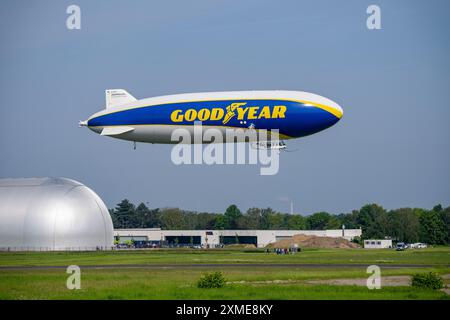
x=300, y=119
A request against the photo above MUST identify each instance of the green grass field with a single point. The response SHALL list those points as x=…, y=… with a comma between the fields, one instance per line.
x=265, y=282
x=434, y=256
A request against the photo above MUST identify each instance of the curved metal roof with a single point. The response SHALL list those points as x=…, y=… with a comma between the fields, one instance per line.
x=52, y=214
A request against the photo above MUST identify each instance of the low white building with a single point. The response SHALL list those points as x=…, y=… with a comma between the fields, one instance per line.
x=214, y=238
x=377, y=244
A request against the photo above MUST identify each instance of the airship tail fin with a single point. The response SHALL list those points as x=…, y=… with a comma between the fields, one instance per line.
x=117, y=97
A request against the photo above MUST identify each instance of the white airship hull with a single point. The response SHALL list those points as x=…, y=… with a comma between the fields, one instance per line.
x=293, y=114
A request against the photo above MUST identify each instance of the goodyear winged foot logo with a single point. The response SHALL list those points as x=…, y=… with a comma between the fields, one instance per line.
x=230, y=111
x=240, y=110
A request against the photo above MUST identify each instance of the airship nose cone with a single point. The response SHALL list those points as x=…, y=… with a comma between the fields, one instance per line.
x=316, y=114
x=339, y=111
x=335, y=114
x=330, y=119
x=334, y=109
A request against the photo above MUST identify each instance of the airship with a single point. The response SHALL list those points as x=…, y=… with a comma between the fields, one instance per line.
x=293, y=114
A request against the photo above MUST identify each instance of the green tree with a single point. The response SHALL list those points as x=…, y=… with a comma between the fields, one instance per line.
x=252, y=219
x=296, y=222
x=206, y=220
x=374, y=221
x=318, y=221
x=124, y=213
x=141, y=216
x=275, y=221
x=220, y=223
x=433, y=228
x=404, y=225
x=232, y=216
x=172, y=219
x=154, y=219
x=333, y=223
x=190, y=220
x=266, y=218
x=445, y=217
x=350, y=220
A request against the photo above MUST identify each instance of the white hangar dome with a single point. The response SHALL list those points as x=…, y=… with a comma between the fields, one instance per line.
x=52, y=214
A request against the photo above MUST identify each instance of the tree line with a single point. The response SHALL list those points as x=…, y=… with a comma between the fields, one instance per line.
x=405, y=224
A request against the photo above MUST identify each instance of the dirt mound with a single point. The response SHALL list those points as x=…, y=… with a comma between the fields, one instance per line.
x=245, y=246
x=304, y=241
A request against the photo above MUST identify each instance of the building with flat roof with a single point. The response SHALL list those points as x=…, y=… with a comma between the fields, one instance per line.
x=214, y=238
x=377, y=244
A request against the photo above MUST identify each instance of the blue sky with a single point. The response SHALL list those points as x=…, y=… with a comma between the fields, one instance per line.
x=392, y=146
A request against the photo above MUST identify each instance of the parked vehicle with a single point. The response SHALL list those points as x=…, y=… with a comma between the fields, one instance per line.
x=418, y=245
x=401, y=246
